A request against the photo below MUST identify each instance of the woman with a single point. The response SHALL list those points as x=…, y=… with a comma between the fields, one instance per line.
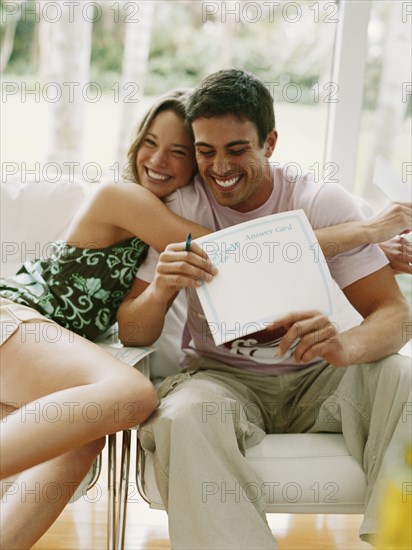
x=91, y=393
x=80, y=288
x=82, y=284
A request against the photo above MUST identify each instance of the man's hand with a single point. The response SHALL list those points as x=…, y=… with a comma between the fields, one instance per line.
x=318, y=338
x=142, y=313
x=177, y=269
x=399, y=253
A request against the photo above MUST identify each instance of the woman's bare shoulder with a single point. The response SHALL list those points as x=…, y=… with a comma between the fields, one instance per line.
x=105, y=212
x=120, y=188
x=119, y=195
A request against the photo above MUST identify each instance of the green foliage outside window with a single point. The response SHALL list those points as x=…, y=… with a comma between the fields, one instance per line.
x=184, y=48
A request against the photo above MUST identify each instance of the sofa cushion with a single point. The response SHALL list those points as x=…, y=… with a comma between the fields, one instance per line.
x=32, y=216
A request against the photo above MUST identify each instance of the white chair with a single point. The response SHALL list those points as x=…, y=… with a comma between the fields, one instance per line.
x=304, y=473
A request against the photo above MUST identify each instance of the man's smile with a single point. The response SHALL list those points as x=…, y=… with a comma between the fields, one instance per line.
x=226, y=183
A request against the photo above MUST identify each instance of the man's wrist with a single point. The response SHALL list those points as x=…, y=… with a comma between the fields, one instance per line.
x=155, y=300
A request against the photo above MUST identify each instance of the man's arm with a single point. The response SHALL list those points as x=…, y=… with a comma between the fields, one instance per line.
x=386, y=313
x=378, y=299
x=141, y=315
x=140, y=319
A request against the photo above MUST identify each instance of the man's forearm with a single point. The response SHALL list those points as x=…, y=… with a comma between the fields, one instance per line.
x=141, y=319
x=386, y=317
x=382, y=333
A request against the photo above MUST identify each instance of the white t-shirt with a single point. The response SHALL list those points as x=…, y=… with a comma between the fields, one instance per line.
x=324, y=204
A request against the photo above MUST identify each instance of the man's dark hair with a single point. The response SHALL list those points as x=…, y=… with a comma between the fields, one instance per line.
x=234, y=92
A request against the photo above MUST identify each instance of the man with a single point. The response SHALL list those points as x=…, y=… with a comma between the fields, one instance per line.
x=232, y=118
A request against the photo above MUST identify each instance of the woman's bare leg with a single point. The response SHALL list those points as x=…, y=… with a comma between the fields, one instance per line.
x=39, y=495
x=67, y=392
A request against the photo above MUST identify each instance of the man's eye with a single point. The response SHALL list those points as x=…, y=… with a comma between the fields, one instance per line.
x=204, y=153
x=236, y=151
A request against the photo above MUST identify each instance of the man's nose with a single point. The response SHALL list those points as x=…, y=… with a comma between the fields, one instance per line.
x=221, y=164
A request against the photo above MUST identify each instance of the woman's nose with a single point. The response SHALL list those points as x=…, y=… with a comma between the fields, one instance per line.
x=159, y=158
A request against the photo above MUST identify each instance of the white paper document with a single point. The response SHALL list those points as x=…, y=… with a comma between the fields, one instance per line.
x=268, y=267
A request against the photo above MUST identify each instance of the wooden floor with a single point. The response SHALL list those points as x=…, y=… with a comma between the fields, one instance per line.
x=82, y=526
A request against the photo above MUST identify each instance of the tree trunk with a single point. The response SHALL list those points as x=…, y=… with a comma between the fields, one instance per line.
x=68, y=63
x=7, y=44
x=138, y=28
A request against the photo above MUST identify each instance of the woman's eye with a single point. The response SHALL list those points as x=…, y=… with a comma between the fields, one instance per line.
x=149, y=141
x=179, y=153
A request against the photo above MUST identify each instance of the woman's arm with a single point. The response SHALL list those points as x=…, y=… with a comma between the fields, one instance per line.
x=117, y=211
x=393, y=220
x=131, y=208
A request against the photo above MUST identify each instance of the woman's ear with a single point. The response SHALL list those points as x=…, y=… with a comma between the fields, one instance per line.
x=270, y=143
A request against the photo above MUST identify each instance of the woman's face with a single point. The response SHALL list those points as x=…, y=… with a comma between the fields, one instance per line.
x=166, y=158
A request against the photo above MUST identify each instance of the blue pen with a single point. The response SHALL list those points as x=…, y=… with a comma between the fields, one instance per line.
x=188, y=242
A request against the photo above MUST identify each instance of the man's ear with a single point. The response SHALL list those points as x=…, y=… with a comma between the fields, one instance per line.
x=270, y=143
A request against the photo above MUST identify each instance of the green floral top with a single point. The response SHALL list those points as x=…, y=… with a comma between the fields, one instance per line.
x=79, y=288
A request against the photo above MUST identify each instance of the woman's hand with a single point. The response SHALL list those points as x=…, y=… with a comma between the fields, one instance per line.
x=386, y=228
x=394, y=219
x=399, y=253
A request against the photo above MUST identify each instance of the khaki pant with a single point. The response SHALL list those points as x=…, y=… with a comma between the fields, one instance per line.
x=209, y=415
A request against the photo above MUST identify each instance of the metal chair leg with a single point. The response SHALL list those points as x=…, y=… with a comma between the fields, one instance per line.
x=97, y=468
x=140, y=466
x=111, y=509
x=123, y=490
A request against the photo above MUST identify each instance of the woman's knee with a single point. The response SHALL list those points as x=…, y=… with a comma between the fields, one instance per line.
x=134, y=400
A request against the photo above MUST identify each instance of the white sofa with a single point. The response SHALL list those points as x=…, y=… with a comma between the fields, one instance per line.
x=310, y=472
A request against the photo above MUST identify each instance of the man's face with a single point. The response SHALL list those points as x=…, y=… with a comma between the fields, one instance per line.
x=232, y=163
